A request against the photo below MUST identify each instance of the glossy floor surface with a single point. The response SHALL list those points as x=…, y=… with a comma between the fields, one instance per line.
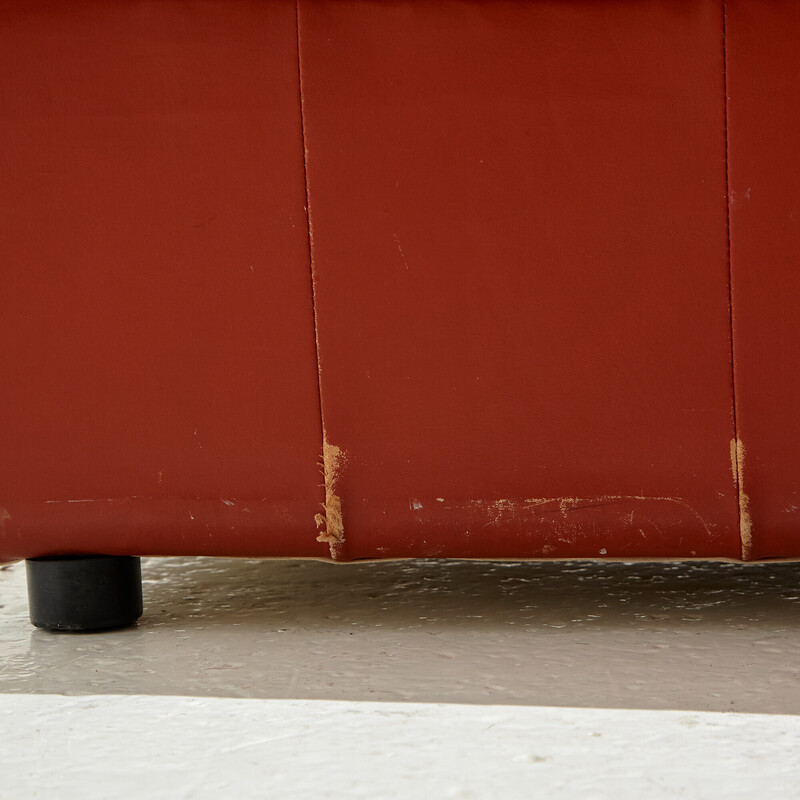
x=698, y=637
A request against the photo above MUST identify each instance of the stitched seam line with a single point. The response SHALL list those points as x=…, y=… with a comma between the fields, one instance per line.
x=309, y=228
x=737, y=449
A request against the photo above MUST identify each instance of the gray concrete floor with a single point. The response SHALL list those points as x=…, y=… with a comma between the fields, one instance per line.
x=702, y=636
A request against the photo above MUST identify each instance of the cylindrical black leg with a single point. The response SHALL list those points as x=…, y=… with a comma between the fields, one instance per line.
x=84, y=593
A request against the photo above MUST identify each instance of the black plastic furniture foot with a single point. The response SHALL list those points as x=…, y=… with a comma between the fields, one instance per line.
x=84, y=593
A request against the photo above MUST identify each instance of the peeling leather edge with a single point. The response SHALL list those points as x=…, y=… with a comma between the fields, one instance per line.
x=331, y=519
x=745, y=520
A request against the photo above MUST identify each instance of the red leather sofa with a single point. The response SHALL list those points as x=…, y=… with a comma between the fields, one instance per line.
x=380, y=279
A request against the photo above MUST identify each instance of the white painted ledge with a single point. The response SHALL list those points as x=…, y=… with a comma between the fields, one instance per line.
x=181, y=747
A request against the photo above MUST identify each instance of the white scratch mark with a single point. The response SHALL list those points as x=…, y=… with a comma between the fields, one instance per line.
x=508, y=509
x=94, y=500
x=400, y=250
x=414, y=505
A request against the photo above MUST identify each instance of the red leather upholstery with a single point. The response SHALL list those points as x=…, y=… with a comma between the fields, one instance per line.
x=519, y=243
x=520, y=251
x=158, y=361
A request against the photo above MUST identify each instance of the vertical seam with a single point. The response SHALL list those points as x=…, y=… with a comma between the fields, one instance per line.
x=309, y=229
x=331, y=457
x=737, y=449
